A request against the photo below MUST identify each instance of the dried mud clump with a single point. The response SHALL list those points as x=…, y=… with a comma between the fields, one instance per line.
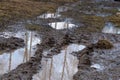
x=11, y=43
x=104, y=44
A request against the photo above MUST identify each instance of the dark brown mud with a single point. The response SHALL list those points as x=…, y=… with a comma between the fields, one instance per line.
x=11, y=43
x=26, y=70
x=88, y=34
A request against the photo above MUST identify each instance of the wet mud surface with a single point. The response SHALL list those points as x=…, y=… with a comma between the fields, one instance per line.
x=11, y=43
x=55, y=46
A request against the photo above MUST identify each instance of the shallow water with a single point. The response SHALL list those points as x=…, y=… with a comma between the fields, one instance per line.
x=10, y=60
x=62, y=25
x=98, y=67
x=110, y=28
x=54, y=15
x=49, y=15
x=60, y=67
x=62, y=9
x=103, y=14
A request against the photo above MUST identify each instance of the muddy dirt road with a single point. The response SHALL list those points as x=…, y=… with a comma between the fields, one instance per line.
x=63, y=45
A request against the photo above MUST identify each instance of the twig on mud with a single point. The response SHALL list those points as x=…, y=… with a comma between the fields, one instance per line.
x=10, y=61
x=26, y=48
x=51, y=68
x=64, y=63
x=30, y=44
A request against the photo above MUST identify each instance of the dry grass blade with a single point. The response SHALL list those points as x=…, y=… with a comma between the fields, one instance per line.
x=51, y=65
x=30, y=44
x=65, y=56
x=10, y=61
x=26, y=48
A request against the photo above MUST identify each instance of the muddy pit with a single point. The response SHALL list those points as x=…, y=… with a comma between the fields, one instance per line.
x=111, y=28
x=62, y=48
x=62, y=66
x=25, y=47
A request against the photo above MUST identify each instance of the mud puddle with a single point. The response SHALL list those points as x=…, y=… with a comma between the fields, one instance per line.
x=62, y=25
x=10, y=60
x=54, y=15
x=98, y=67
x=106, y=60
x=103, y=14
x=60, y=67
x=111, y=28
x=63, y=9
x=65, y=23
x=49, y=15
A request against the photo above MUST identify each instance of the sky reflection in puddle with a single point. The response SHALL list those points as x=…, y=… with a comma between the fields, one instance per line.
x=60, y=67
x=54, y=15
x=62, y=25
x=98, y=67
x=10, y=60
x=110, y=28
x=49, y=15
x=103, y=14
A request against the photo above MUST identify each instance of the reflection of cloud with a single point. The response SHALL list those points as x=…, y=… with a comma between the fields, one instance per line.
x=110, y=28
x=49, y=15
x=17, y=55
x=70, y=65
x=98, y=67
x=4, y=63
x=61, y=25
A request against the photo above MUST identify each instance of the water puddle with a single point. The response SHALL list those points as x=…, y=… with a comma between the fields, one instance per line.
x=98, y=67
x=103, y=14
x=54, y=15
x=62, y=9
x=58, y=25
x=118, y=9
x=10, y=60
x=49, y=15
x=60, y=67
x=62, y=25
x=118, y=13
x=110, y=28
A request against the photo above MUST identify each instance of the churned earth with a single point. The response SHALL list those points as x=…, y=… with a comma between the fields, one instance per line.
x=77, y=41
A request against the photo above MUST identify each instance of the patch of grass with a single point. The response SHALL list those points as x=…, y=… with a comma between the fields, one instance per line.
x=36, y=27
x=104, y=44
x=95, y=7
x=56, y=0
x=112, y=10
x=91, y=24
x=33, y=27
x=14, y=10
x=64, y=1
x=114, y=19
